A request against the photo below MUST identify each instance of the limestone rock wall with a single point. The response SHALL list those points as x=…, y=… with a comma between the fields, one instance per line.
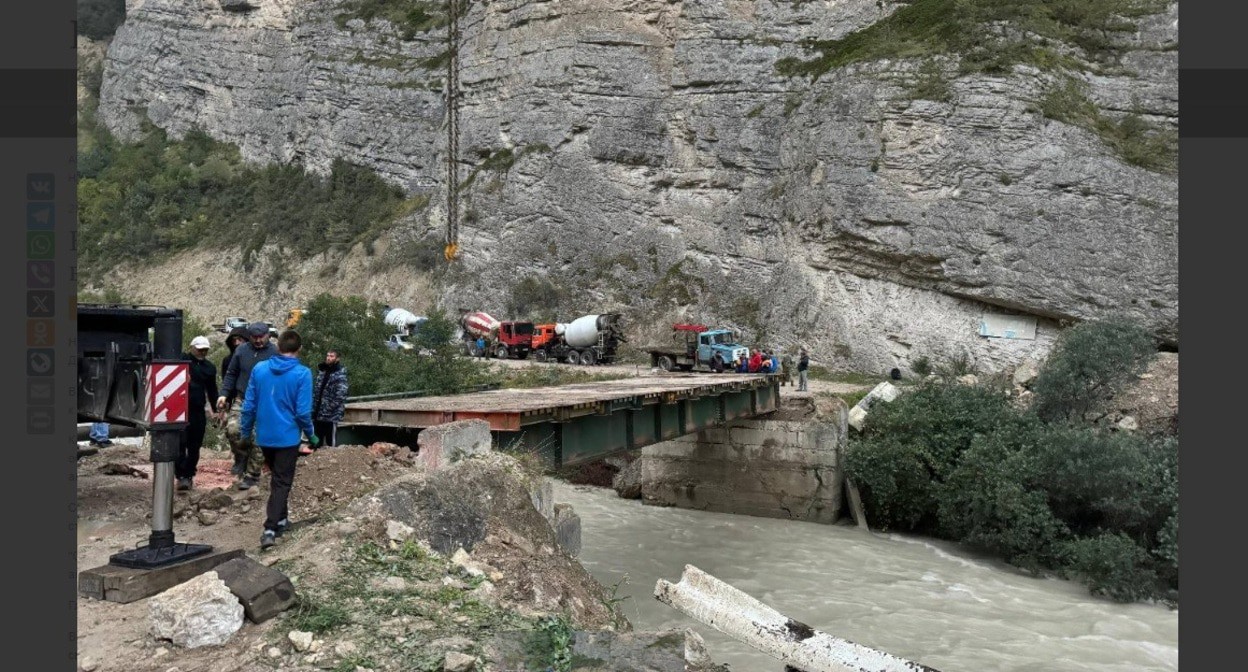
x=645, y=154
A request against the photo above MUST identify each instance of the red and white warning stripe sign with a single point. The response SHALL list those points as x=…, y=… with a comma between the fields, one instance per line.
x=167, y=392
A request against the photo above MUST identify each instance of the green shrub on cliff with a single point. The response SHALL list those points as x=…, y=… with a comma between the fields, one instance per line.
x=1040, y=491
x=139, y=201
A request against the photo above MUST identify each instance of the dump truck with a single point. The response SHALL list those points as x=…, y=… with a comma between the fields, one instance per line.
x=699, y=345
x=588, y=340
x=504, y=340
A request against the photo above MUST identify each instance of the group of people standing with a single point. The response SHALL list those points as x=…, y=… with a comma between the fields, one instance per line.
x=766, y=361
x=280, y=405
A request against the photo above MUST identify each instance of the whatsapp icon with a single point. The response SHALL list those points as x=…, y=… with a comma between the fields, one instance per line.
x=40, y=244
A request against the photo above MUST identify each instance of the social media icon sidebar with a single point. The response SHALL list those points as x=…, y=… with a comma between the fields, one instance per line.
x=40, y=299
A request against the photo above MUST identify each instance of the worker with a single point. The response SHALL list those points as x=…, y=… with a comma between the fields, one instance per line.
x=278, y=406
x=235, y=386
x=756, y=361
x=201, y=390
x=329, y=398
x=802, y=365
x=775, y=362
x=787, y=366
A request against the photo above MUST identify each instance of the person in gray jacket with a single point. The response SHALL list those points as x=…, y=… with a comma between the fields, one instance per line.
x=248, y=460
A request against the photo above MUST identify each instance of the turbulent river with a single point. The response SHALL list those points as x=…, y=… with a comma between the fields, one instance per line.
x=928, y=601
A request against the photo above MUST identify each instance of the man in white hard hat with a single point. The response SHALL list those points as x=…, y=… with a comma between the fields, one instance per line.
x=202, y=391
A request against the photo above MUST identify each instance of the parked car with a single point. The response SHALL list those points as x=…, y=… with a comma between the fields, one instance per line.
x=398, y=342
x=232, y=323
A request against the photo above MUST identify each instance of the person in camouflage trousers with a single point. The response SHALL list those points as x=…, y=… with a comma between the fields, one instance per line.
x=234, y=387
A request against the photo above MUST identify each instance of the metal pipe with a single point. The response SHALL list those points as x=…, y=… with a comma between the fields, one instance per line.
x=162, y=498
x=167, y=345
x=744, y=618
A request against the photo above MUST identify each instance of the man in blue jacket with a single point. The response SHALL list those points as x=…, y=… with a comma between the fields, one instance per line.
x=278, y=405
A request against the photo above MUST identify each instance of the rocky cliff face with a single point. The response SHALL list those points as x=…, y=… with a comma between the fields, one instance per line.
x=646, y=154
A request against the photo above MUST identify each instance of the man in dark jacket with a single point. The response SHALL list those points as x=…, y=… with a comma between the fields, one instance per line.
x=202, y=389
x=245, y=358
x=277, y=404
x=237, y=336
x=803, y=363
x=329, y=398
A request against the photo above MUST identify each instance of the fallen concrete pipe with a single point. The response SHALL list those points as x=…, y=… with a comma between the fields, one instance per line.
x=744, y=618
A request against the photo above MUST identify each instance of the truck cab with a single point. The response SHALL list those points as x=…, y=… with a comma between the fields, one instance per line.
x=719, y=348
x=543, y=335
x=515, y=339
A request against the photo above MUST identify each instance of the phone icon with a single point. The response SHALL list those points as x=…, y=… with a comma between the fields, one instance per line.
x=40, y=275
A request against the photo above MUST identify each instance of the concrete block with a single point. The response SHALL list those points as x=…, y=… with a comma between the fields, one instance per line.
x=265, y=592
x=568, y=529
x=442, y=445
x=857, y=417
x=543, y=497
x=124, y=585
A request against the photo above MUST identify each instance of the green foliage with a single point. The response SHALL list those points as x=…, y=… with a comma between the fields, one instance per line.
x=536, y=298
x=410, y=17
x=1113, y=566
x=967, y=28
x=1042, y=492
x=99, y=19
x=139, y=201
x=316, y=614
x=1088, y=364
x=931, y=84
x=354, y=328
x=922, y=366
x=1135, y=140
x=549, y=647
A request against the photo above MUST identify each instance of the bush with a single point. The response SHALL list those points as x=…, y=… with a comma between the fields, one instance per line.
x=138, y=201
x=1113, y=566
x=1091, y=361
x=354, y=328
x=960, y=462
x=99, y=19
x=922, y=366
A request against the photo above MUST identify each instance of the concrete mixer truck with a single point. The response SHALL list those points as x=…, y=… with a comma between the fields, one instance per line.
x=504, y=340
x=403, y=321
x=588, y=340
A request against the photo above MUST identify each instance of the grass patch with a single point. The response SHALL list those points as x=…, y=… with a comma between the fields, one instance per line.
x=1133, y=139
x=931, y=84
x=845, y=377
x=409, y=17
x=972, y=30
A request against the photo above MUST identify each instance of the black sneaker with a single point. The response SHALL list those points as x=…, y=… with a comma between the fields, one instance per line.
x=268, y=539
x=282, y=525
x=248, y=483
x=239, y=467
x=105, y=443
x=184, y=484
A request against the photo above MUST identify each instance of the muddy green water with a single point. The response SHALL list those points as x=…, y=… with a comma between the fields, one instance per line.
x=921, y=599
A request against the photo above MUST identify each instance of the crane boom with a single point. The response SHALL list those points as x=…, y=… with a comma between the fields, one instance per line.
x=452, y=131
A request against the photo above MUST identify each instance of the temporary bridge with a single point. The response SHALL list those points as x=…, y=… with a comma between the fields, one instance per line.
x=570, y=424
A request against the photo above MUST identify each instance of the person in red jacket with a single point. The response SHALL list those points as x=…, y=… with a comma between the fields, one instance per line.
x=756, y=361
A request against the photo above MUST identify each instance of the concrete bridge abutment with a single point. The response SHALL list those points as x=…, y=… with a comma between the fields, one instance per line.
x=772, y=468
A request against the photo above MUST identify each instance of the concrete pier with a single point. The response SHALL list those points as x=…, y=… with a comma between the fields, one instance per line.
x=770, y=468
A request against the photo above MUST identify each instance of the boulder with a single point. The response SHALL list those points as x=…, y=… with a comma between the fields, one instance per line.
x=446, y=444
x=627, y=483
x=1026, y=373
x=568, y=529
x=458, y=662
x=200, y=612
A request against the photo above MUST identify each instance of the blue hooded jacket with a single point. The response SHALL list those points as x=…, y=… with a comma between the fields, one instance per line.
x=278, y=403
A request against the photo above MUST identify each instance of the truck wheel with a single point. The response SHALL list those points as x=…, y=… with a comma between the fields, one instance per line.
x=573, y=357
x=501, y=352
x=539, y=355
x=666, y=363
x=589, y=358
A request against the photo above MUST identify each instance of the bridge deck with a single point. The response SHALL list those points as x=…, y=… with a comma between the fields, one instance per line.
x=511, y=409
